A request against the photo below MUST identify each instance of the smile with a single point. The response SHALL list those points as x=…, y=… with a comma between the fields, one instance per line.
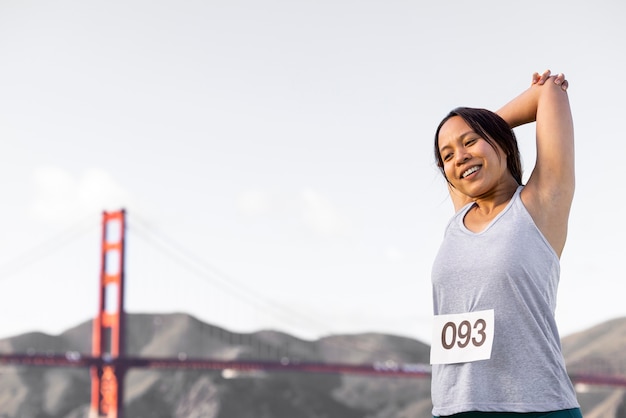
x=470, y=171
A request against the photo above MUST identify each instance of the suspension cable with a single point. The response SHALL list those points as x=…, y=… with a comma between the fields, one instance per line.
x=47, y=248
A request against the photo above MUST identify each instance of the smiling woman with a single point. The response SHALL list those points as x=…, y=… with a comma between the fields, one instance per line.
x=496, y=346
x=479, y=124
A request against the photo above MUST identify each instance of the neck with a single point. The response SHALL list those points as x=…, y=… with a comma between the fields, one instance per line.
x=496, y=198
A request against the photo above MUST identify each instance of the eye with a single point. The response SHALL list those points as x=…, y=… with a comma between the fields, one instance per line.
x=447, y=156
x=471, y=141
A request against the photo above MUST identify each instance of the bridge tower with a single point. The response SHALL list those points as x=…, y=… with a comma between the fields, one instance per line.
x=108, y=342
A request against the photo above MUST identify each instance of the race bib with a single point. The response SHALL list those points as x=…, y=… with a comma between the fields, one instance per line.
x=461, y=338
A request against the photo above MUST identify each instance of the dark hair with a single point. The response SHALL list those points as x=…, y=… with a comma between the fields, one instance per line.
x=493, y=129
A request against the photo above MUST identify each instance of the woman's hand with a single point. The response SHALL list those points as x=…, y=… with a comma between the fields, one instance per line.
x=558, y=79
x=516, y=115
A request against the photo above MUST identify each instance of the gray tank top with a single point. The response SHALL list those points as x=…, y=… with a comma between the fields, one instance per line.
x=511, y=268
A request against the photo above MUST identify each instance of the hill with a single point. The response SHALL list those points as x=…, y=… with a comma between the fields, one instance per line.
x=64, y=393
x=54, y=392
x=599, y=349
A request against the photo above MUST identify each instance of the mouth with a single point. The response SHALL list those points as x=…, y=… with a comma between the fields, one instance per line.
x=470, y=171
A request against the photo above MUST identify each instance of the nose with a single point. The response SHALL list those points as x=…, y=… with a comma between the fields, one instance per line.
x=462, y=157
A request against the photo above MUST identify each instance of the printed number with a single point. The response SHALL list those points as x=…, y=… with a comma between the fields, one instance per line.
x=461, y=335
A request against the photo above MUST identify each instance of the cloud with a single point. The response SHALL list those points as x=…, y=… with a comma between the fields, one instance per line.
x=308, y=207
x=319, y=214
x=61, y=197
x=393, y=254
x=254, y=203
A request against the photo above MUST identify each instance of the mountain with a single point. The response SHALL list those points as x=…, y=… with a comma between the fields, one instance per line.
x=65, y=392
x=600, y=349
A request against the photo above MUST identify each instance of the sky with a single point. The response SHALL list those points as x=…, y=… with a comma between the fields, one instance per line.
x=275, y=158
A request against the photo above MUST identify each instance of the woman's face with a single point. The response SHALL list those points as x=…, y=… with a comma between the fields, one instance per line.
x=470, y=163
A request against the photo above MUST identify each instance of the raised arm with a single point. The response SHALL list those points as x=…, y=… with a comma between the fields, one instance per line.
x=549, y=192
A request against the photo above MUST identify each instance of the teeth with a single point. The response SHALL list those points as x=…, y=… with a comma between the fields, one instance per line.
x=469, y=171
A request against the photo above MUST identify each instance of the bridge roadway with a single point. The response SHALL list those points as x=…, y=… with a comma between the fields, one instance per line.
x=74, y=359
x=385, y=368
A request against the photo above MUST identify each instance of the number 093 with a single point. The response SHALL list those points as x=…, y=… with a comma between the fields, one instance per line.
x=463, y=334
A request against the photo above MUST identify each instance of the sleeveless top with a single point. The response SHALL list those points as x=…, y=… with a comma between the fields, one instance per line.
x=511, y=268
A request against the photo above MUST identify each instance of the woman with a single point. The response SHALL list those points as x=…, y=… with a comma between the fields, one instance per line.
x=496, y=348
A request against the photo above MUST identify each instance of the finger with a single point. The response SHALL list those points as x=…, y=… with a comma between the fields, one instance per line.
x=560, y=78
x=544, y=76
x=535, y=79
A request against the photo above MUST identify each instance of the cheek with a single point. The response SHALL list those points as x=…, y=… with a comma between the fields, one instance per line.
x=449, y=171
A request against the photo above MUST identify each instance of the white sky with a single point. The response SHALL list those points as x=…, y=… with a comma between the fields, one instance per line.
x=287, y=145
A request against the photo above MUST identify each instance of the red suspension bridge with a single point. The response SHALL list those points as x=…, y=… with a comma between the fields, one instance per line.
x=109, y=361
